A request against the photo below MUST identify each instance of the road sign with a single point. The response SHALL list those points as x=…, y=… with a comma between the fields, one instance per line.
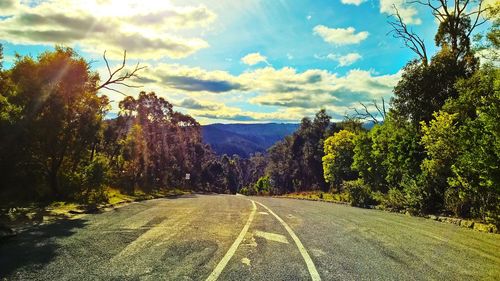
x=188, y=176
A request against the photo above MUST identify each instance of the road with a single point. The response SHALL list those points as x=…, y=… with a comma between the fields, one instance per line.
x=227, y=237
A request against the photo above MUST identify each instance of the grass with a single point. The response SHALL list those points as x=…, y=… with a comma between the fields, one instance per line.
x=318, y=196
x=29, y=214
x=116, y=197
x=343, y=199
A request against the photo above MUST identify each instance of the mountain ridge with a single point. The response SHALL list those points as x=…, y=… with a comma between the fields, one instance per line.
x=245, y=139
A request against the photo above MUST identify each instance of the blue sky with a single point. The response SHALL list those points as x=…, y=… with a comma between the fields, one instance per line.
x=231, y=61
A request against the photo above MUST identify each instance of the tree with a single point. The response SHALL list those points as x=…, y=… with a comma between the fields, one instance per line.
x=468, y=154
x=160, y=145
x=295, y=163
x=388, y=155
x=231, y=173
x=426, y=85
x=282, y=167
x=439, y=140
x=61, y=113
x=338, y=158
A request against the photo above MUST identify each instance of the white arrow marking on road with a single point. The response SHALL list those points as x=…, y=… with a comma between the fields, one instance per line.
x=310, y=264
x=218, y=269
x=271, y=236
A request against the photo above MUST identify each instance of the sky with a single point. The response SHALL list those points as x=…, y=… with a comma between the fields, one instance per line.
x=227, y=61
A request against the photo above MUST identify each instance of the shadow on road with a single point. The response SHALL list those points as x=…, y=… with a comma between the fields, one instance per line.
x=35, y=247
x=180, y=196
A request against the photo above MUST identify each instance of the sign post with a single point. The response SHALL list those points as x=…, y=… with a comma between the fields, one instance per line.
x=186, y=179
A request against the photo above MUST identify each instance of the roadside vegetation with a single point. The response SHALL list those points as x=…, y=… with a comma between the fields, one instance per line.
x=57, y=144
x=435, y=151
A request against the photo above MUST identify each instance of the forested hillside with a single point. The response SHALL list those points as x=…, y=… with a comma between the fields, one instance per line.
x=245, y=139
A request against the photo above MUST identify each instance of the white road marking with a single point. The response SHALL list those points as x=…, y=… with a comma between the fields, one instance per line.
x=272, y=236
x=220, y=267
x=245, y=261
x=310, y=264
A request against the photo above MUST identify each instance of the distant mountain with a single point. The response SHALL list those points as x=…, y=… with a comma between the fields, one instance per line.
x=245, y=139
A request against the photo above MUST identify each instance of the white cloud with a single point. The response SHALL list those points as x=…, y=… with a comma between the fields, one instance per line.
x=9, y=7
x=253, y=59
x=353, y=2
x=146, y=29
x=409, y=14
x=289, y=94
x=345, y=60
x=340, y=36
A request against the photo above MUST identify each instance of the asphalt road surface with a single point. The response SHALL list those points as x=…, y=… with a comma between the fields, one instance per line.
x=225, y=237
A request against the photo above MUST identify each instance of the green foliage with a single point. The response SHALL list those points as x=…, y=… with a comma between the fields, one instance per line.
x=249, y=190
x=232, y=173
x=53, y=114
x=338, y=158
x=461, y=170
x=359, y=194
x=387, y=154
x=56, y=144
x=295, y=164
x=475, y=178
x=439, y=140
x=424, y=89
x=263, y=185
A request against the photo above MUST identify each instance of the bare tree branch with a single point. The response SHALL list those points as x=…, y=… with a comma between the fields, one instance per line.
x=365, y=113
x=115, y=78
x=414, y=42
x=478, y=13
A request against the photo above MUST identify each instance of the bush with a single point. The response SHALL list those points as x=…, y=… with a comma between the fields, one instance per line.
x=250, y=190
x=95, y=177
x=410, y=198
x=359, y=193
x=414, y=196
x=394, y=200
x=263, y=185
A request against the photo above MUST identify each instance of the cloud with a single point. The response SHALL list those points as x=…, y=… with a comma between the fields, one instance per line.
x=189, y=79
x=340, y=92
x=285, y=93
x=198, y=85
x=191, y=103
x=8, y=7
x=146, y=32
x=345, y=60
x=180, y=18
x=353, y=2
x=253, y=59
x=340, y=36
x=408, y=13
